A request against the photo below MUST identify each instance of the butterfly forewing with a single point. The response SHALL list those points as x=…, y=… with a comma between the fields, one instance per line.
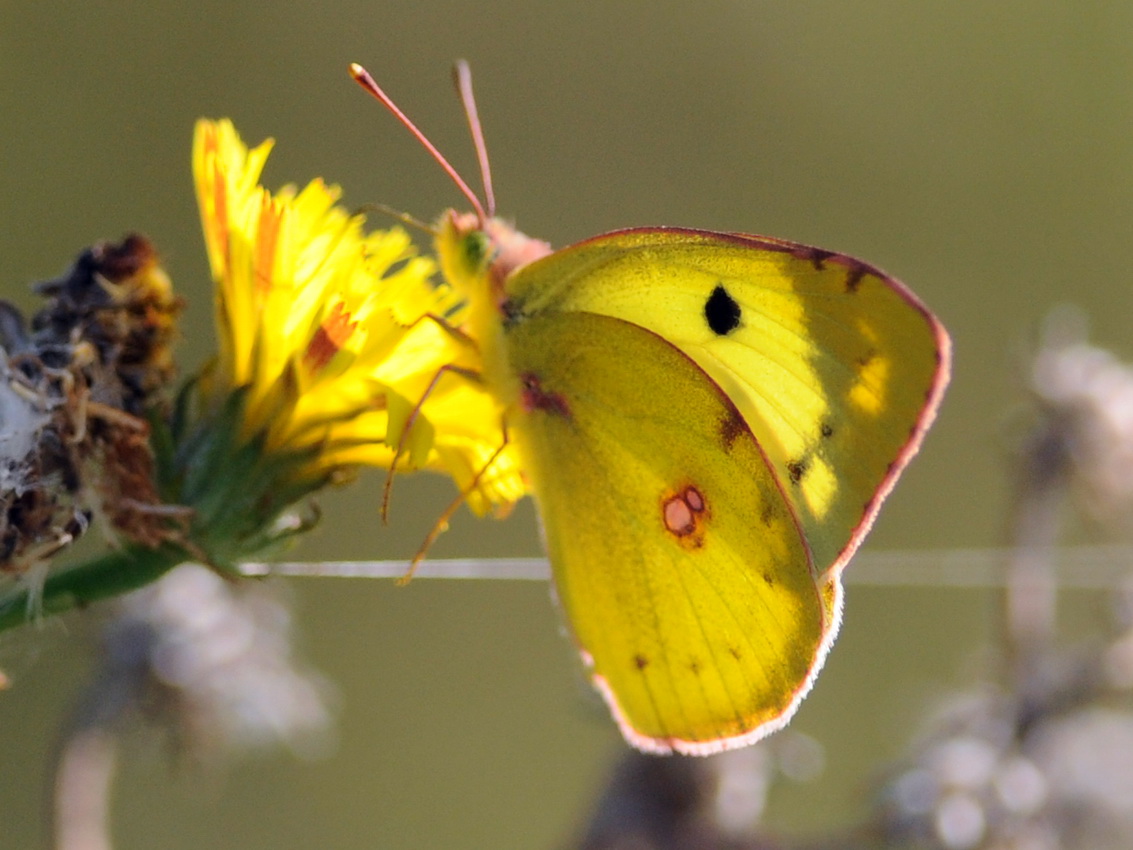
x=836, y=368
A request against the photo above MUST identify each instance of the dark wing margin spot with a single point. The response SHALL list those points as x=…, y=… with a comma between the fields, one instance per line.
x=731, y=427
x=817, y=257
x=854, y=276
x=766, y=513
x=721, y=311
x=796, y=469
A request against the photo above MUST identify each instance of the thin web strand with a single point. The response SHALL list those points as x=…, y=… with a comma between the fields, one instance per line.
x=1078, y=567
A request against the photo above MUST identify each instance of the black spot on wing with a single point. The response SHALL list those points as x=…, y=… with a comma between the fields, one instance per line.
x=796, y=469
x=721, y=311
x=534, y=396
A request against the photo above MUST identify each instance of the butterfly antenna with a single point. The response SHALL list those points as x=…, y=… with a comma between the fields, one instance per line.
x=363, y=78
x=462, y=76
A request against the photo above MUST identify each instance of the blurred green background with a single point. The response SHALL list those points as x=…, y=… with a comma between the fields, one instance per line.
x=980, y=152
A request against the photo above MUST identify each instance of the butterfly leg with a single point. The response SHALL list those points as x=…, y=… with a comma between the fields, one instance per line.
x=442, y=521
x=403, y=437
x=460, y=338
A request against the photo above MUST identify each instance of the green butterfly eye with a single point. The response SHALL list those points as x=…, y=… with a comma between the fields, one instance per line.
x=474, y=249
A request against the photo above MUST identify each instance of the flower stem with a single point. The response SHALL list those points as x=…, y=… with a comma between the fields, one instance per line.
x=110, y=575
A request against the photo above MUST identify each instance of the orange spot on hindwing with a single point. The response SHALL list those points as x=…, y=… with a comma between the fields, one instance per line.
x=685, y=516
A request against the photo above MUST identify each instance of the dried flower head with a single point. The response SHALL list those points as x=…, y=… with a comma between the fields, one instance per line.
x=75, y=389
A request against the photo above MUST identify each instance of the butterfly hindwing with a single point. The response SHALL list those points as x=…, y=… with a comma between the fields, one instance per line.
x=680, y=564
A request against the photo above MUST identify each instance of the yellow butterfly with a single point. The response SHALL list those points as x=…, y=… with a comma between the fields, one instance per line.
x=709, y=423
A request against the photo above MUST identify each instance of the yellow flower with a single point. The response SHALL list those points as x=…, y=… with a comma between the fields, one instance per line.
x=341, y=346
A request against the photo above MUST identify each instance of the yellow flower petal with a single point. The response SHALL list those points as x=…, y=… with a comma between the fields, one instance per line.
x=331, y=333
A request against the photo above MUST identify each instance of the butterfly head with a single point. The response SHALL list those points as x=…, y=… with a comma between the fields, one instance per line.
x=480, y=253
x=477, y=251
